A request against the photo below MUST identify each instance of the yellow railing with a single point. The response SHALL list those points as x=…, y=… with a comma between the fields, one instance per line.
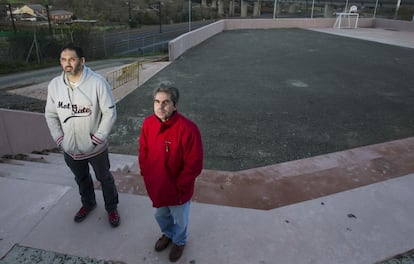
x=129, y=72
x=123, y=75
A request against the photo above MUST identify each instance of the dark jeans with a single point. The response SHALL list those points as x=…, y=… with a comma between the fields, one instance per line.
x=100, y=165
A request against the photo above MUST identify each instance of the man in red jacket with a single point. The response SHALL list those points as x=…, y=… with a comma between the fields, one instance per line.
x=170, y=159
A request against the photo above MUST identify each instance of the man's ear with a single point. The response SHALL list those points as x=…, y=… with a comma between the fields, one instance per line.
x=82, y=60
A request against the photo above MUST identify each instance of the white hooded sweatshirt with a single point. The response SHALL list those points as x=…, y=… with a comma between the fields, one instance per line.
x=80, y=117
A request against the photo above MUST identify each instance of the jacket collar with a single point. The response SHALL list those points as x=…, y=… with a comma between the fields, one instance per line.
x=170, y=122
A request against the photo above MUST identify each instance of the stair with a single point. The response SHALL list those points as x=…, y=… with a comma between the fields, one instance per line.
x=51, y=168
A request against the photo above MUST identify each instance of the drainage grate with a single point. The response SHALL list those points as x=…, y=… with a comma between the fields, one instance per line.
x=26, y=255
x=404, y=258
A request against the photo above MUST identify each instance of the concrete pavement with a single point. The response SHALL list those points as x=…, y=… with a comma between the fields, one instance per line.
x=381, y=35
x=362, y=225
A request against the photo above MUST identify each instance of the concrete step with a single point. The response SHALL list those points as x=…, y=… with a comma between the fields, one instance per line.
x=51, y=167
x=50, y=157
x=45, y=174
x=119, y=162
x=123, y=163
x=40, y=163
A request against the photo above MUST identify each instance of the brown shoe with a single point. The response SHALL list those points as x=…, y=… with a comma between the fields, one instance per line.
x=176, y=252
x=162, y=243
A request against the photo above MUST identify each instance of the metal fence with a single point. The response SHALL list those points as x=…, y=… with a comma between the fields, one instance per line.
x=389, y=9
x=121, y=76
x=137, y=42
x=97, y=44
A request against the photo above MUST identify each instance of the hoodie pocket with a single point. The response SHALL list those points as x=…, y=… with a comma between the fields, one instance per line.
x=85, y=145
x=68, y=144
x=77, y=144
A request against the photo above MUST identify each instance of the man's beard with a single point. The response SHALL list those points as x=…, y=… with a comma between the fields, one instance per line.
x=73, y=70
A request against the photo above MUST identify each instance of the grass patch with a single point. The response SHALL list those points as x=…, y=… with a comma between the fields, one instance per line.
x=7, y=68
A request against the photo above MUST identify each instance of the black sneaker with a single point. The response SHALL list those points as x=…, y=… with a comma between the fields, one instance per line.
x=83, y=213
x=113, y=218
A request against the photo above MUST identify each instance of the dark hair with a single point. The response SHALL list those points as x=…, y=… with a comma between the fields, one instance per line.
x=77, y=49
x=172, y=91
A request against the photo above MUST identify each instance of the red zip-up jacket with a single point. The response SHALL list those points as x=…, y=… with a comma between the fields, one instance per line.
x=170, y=159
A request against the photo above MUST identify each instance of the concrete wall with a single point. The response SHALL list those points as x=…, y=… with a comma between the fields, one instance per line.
x=184, y=42
x=23, y=132
x=394, y=24
x=179, y=45
x=288, y=23
x=233, y=24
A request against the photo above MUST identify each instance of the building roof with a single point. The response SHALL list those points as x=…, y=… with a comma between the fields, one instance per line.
x=36, y=7
x=60, y=12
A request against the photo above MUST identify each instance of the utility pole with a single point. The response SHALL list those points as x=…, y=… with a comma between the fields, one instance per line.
x=48, y=6
x=12, y=18
x=157, y=7
x=159, y=10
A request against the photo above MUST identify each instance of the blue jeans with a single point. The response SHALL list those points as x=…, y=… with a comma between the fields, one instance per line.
x=173, y=222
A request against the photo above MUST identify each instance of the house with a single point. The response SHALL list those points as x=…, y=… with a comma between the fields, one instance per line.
x=60, y=16
x=34, y=10
x=27, y=17
x=39, y=12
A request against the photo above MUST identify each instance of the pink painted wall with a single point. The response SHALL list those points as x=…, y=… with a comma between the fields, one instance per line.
x=23, y=132
x=394, y=24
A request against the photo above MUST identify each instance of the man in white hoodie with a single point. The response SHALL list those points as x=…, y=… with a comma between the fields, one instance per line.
x=80, y=112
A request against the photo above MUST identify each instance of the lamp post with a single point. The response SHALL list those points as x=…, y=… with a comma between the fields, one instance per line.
x=375, y=10
x=397, y=8
x=11, y=18
x=313, y=6
x=275, y=9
